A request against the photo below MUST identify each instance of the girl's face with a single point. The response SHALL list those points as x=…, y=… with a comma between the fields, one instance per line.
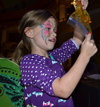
x=47, y=29
x=44, y=37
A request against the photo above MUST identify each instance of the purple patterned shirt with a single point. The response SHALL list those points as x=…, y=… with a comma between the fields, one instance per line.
x=38, y=74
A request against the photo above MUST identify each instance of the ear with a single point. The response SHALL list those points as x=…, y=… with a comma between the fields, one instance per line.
x=28, y=32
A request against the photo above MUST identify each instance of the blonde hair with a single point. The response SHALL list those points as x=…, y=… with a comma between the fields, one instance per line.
x=31, y=19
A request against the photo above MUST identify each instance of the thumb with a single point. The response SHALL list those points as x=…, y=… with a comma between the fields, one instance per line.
x=88, y=36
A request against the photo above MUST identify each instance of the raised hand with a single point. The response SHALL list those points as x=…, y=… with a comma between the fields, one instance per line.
x=88, y=47
x=84, y=3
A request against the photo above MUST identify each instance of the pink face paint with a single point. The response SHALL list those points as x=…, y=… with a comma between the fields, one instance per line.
x=47, y=29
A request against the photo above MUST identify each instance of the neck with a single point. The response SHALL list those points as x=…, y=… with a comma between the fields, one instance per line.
x=41, y=53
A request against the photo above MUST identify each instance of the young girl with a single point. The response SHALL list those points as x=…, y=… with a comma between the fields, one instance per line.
x=43, y=76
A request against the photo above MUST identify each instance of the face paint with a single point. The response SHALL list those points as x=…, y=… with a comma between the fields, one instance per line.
x=47, y=29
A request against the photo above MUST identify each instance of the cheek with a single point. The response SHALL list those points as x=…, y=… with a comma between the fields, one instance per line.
x=46, y=33
x=55, y=30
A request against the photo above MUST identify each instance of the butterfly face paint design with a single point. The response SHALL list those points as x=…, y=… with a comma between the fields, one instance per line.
x=47, y=29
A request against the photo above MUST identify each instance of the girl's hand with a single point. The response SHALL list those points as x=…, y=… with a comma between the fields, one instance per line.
x=84, y=3
x=88, y=47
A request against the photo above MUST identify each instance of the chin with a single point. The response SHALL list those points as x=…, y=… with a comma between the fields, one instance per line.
x=51, y=49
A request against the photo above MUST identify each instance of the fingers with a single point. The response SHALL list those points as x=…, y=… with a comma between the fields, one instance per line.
x=88, y=37
x=88, y=46
x=92, y=41
x=84, y=4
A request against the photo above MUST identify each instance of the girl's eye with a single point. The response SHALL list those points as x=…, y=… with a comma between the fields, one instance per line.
x=48, y=29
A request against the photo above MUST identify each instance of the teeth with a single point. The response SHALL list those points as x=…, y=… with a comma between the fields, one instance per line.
x=52, y=40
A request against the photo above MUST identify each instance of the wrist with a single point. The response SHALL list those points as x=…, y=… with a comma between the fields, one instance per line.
x=77, y=41
x=84, y=57
x=78, y=37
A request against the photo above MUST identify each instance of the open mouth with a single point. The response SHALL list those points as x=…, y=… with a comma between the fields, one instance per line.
x=52, y=40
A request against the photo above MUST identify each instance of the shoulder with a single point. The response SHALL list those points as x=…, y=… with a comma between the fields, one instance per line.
x=33, y=59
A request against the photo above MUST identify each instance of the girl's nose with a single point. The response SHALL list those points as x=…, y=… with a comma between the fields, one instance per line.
x=54, y=34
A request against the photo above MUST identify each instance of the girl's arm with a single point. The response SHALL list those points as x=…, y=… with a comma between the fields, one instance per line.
x=64, y=87
x=78, y=37
x=64, y=52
